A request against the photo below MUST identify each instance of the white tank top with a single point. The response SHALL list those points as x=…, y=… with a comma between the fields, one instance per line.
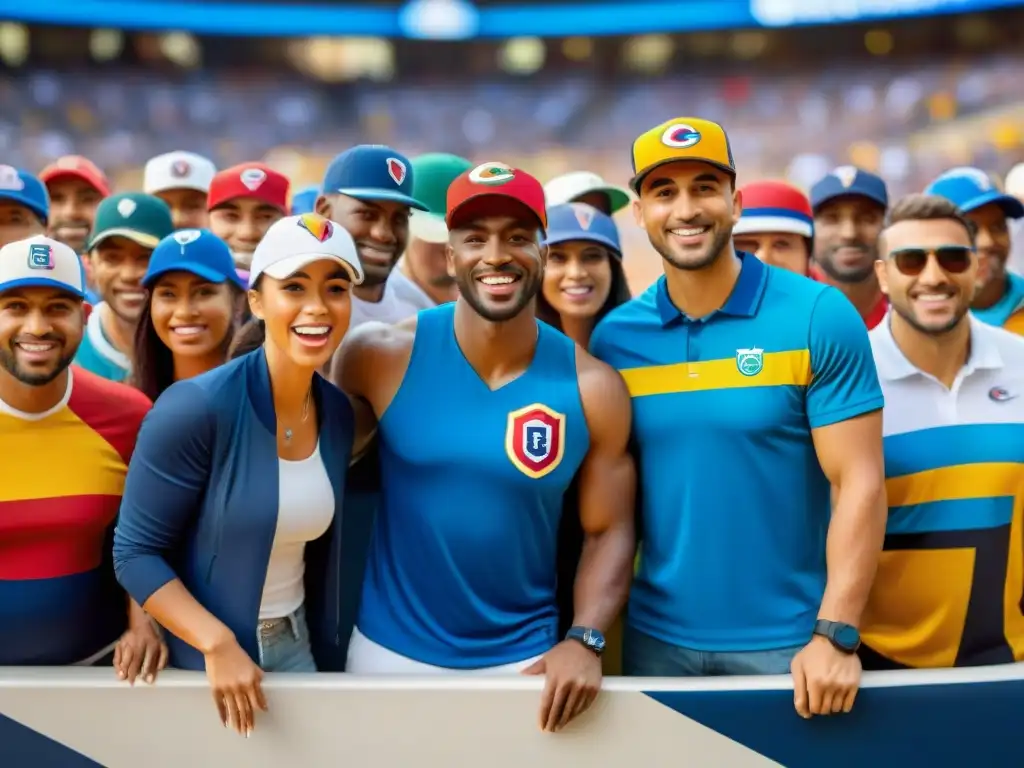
x=305, y=512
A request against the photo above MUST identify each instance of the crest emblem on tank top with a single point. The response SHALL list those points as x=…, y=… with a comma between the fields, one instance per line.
x=535, y=440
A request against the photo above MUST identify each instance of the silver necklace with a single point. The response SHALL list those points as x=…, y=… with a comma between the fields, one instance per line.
x=305, y=412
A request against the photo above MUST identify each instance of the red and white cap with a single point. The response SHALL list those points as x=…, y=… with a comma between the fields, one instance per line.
x=774, y=206
x=254, y=180
x=492, y=188
x=76, y=167
x=178, y=170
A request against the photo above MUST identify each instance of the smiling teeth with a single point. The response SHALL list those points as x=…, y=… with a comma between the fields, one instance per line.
x=35, y=347
x=312, y=330
x=497, y=280
x=188, y=330
x=577, y=291
x=932, y=296
x=133, y=295
x=689, y=231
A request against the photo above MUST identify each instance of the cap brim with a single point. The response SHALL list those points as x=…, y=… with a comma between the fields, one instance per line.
x=490, y=203
x=638, y=179
x=199, y=270
x=68, y=173
x=428, y=227
x=141, y=238
x=279, y=270
x=817, y=203
x=1012, y=207
x=772, y=224
x=569, y=236
x=42, y=282
x=618, y=197
x=382, y=194
x=23, y=201
x=195, y=187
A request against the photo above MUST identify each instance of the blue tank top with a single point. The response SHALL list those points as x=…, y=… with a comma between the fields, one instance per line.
x=461, y=570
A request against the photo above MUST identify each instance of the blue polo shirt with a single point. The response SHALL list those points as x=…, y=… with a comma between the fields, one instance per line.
x=735, y=506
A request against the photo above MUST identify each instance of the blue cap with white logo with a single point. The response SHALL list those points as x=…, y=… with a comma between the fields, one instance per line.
x=304, y=201
x=41, y=262
x=849, y=181
x=578, y=221
x=971, y=188
x=23, y=188
x=198, y=251
x=372, y=172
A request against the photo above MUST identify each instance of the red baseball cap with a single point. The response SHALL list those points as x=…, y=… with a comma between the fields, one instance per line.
x=254, y=180
x=774, y=206
x=494, y=186
x=77, y=167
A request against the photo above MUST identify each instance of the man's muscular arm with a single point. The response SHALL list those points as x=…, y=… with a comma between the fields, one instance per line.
x=607, y=497
x=370, y=365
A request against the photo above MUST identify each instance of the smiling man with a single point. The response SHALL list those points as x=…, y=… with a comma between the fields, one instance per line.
x=182, y=180
x=948, y=588
x=245, y=201
x=66, y=439
x=368, y=189
x=126, y=230
x=849, y=205
x=76, y=186
x=776, y=225
x=754, y=393
x=486, y=416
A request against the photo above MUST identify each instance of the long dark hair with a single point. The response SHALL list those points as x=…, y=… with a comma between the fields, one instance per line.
x=153, y=362
x=618, y=294
x=253, y=332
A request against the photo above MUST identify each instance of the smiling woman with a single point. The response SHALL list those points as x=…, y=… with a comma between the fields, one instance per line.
x=190, y=314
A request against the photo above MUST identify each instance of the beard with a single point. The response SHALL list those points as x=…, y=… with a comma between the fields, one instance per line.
x=928, y=330
x=847, y=275
x=9, y=362
x=716, y=247
x=530, y=287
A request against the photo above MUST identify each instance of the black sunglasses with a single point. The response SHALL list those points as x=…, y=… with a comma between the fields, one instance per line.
x=953, y=259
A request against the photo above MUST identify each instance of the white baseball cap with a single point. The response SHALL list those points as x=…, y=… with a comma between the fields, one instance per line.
x=178, y=170
x=41, y=262
x=569, y=187
x=1014, y=184
x=295, y=241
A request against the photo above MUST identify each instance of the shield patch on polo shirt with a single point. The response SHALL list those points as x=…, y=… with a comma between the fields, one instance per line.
x=750, y=362
x=535, y=439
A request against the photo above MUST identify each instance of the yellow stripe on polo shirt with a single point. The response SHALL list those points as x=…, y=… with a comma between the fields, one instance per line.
x=780, y=369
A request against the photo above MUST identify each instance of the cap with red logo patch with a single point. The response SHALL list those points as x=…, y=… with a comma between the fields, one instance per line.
x=76, y=167
x=178, y=170
x=491, y=187
x=253, y=180
x=372, y=172
x=295, y=241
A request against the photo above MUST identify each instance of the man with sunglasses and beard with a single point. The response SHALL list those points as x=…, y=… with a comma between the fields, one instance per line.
x=948, y=588
x=66, y=437
x=754, y=394
x=485, y=417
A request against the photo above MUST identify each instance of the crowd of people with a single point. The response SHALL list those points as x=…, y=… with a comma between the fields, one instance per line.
x=412, y=420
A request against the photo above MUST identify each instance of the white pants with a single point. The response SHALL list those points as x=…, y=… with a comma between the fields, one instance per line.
x=366, y=657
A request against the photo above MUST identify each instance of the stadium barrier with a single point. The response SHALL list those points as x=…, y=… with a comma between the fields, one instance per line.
x=81, y=718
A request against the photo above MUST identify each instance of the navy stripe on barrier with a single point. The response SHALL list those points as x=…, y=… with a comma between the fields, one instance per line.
x=21, y=747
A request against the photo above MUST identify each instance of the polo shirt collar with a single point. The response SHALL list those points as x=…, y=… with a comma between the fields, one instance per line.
x=893, y=365
x=742, y=302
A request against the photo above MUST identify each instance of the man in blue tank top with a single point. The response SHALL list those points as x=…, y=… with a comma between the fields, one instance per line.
x=754, y=394
x=485, y=417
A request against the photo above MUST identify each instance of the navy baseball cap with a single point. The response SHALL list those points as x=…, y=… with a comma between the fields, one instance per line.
x=198, y=251
x=971, y=188
x=304, y=201
x=372, y=172
x=23, y=188
x=847, y=181
x=579, y=221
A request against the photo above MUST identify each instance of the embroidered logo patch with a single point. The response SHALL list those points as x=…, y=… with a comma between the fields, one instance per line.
x=535, y=439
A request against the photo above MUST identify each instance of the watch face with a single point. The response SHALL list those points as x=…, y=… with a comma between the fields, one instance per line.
x=847, y=636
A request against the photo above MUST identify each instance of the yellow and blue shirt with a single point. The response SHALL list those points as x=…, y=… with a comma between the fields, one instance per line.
x=735, y=506
x=950, y=584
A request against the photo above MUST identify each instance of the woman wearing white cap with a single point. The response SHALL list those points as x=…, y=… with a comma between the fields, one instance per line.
x=230, y=528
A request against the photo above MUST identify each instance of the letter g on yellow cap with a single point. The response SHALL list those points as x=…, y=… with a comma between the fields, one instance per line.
x=682, y=138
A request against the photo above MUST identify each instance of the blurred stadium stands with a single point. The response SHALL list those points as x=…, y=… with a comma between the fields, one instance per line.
x=906, y=98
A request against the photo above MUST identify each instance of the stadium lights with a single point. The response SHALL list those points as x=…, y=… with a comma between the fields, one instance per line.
x=106, y=44
x=523, y=55
x=14, y=44
x=439, y=20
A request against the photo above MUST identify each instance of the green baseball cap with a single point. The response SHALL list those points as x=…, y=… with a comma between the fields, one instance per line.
x=144, y=219
x=432, y=174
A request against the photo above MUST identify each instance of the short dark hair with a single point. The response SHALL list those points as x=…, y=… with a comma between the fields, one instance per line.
x=921, y=207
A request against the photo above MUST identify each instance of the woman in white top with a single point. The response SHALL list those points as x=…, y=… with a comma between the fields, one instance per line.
x=231, y=523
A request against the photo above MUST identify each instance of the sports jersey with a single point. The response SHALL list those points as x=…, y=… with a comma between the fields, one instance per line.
x=950, y=582
x=461, y=571
x=872, y=318
x=62, y=476
x=735, y=507
x=1008, y=312
x=97, y=353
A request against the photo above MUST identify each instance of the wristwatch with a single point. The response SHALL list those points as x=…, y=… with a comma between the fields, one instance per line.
x=588, y=636
x=844, y=637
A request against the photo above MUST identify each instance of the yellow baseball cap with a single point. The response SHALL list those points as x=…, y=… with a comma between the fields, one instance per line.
x=682, y=138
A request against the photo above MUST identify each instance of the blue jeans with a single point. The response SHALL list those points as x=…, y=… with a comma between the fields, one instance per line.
x=284, y=644
x=645, y=656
